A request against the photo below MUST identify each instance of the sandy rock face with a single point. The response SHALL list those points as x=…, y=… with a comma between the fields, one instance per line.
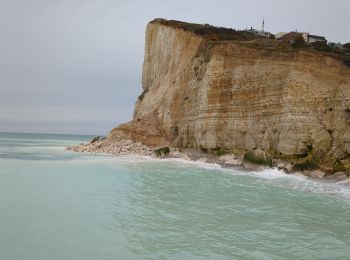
x=227, y=95
x=229, y=160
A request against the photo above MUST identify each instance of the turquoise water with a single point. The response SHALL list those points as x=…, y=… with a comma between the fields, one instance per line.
x=62, y=205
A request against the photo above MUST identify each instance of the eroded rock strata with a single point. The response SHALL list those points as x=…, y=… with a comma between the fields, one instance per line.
x=231, y=96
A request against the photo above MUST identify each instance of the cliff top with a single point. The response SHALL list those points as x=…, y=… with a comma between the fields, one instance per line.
x=209, y=31
x=217, y=34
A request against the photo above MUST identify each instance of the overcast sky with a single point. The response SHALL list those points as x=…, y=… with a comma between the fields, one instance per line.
x=74, y=66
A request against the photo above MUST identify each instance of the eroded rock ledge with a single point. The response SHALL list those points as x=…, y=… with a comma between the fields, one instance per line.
x=232, y=95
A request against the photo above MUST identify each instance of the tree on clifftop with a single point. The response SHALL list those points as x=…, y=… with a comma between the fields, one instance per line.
x=299, y=42
x=320, y=46
x=346, y=46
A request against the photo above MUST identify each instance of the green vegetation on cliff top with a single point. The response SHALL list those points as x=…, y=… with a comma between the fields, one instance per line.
x=211, y=32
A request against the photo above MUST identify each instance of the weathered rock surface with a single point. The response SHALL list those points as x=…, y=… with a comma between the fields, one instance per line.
x=257, y=156
x=339, y=176
x=229, y=160
x=230, y=96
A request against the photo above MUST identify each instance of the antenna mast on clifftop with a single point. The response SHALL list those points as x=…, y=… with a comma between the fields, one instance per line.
x=263, y=25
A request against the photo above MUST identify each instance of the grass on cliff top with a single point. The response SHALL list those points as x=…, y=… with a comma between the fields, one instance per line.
x=211, y=32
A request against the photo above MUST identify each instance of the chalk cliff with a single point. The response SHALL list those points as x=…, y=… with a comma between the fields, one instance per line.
x=233, y=95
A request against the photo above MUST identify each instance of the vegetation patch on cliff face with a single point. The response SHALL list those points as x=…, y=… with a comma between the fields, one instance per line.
x=305, y=166
x=339, y=167
x=163, y=151
x=143, y=94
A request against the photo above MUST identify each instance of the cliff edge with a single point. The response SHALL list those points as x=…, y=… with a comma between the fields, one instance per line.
x=221, y=91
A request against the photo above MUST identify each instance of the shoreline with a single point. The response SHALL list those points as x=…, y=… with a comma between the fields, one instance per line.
x=226, y=161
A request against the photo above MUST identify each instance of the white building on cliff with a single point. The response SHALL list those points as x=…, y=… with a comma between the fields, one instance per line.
x=260, y=32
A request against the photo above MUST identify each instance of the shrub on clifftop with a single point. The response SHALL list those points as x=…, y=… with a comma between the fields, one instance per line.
x=320, y=46
x=299, y=42
x=346, y=46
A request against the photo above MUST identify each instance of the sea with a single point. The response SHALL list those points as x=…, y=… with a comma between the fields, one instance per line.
x=61, y=205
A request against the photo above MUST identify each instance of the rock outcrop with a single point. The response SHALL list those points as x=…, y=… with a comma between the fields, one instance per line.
x=120, y=147
x=232, y=95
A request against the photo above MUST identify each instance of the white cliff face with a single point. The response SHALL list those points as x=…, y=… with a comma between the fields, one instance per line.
x=229, y=96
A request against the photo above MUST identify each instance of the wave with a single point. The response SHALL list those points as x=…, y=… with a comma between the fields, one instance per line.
x=180, y=161
x=302, y=183
x=273, y=175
